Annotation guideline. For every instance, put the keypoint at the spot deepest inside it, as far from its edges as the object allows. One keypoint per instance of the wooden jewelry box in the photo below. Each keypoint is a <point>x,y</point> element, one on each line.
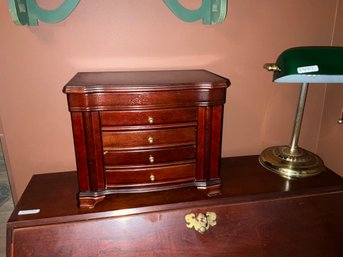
<point>146,131</point>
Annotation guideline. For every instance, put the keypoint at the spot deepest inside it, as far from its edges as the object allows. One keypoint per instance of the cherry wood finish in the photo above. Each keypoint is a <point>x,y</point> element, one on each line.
<point>259,214</point>
<point>164,116</point>
<point>143,157</point>
<point>139,176</point>
<point>139,139</point>
<point>146,131</point>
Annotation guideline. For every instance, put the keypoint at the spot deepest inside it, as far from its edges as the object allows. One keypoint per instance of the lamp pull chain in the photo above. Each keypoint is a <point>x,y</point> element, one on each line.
<point>298,118</point>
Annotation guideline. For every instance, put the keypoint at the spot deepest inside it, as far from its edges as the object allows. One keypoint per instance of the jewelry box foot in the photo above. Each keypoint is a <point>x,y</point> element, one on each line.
<point>88,202</point>
<point>214,190</point>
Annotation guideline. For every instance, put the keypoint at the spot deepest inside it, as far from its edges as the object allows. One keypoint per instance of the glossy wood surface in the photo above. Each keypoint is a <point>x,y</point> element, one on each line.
<point>255,230</point>
<point>149,138</point>
<point>145,115</point>
<point>145,100</point>
<point>137,90</point>
<point>148,117</point>
<point>90,82</point>
<point>258,214</point>
<point>149,156</point>
<point>151,175</point>
<point>243,179</point>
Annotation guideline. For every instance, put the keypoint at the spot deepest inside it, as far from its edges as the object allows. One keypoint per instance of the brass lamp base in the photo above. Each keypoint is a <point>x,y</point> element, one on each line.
<point>297,164</point>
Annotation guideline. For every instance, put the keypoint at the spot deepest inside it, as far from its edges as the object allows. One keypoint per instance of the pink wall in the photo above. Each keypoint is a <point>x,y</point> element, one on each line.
<point>330,146</point>
<point>139,35</point>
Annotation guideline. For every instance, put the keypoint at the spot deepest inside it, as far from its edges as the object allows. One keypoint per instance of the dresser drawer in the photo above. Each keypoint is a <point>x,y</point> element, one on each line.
<point>151,156</point>
<point>149,138</point>
<point>150,176</point>
<point>148,117</point>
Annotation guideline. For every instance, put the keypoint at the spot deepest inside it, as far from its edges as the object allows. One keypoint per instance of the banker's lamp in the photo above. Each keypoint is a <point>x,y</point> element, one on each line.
<point>301,65</point>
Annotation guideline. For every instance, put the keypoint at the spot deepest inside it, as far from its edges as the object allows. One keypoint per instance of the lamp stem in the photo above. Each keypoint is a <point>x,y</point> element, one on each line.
<point>298,118</point>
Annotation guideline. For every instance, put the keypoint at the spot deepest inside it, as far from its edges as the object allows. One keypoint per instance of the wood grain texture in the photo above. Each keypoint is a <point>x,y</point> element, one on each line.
<point>80,150</point>
<point>145,100</point>
<point>94,151</point>
<point>127,116</point>
<point>256,229</point>
<point>140,139</point>
<point>141,176</point>
<point>148,117</point>
<point>244,179</point>
<point>133,81</point>
<point>143,157</point>
<point>258,214</point>
<point>216,138</point>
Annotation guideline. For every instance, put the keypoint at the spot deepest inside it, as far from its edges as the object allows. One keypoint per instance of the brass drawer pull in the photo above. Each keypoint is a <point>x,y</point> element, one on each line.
<point>151,159</point>
<point>340,119</point>
<point>150,120</point>
<point>152,178</point>
<point>201,222</point>
<point>150,140</point>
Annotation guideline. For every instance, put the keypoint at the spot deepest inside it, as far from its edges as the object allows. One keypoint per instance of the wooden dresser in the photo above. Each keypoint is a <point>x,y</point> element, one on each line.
<point>146,131</point>
<point>258,214</point>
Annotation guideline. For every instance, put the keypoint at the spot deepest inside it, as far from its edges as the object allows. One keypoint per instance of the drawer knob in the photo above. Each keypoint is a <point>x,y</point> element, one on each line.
<point>340,119</point>
<point>150,140</point>
<point>201,222</point>
<point>151,120</point>
<point>152,178</point>
<point>151,159</point>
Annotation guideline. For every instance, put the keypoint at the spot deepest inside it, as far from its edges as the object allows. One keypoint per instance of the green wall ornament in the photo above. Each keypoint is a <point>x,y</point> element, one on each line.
<point>210,11</point>
<point>28,12</point>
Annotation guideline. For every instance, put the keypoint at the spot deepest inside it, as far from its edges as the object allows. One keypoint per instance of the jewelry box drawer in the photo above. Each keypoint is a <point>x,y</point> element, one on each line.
<point>148,117</point>
<point>149,176</point>
<point>148,138</point>
<point>149,156</point>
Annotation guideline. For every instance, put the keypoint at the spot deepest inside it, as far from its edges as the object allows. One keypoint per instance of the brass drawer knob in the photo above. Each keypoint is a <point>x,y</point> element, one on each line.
<point>340,119</point>
<point>201,222</point>
<point>152,178</point>
<point>150,140</point>
<point>151,159</point>
<point>150,120</point>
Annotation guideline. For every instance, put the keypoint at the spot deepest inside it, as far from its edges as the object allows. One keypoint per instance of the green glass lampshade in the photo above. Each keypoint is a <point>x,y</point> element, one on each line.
<point>311,64</point>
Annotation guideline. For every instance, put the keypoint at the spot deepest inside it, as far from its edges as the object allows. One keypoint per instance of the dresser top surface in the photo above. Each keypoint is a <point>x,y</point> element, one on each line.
<point>243,180</point>
<point>92,82</point>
